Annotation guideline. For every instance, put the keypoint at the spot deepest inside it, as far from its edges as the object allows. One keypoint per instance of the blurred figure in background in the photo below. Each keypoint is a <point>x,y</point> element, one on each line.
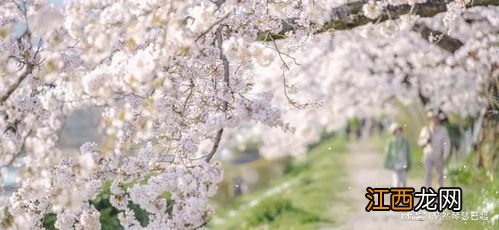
<point>240,187</point>
<point>397,155</point>
<point>435,141</point>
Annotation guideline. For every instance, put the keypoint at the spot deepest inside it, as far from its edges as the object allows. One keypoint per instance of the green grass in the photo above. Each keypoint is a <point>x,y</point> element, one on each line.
<point>480,188</point>
<point>313,186</point>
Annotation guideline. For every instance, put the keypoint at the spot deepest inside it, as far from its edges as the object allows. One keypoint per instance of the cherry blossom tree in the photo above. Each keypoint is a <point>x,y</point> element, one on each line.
<point>177,79</point>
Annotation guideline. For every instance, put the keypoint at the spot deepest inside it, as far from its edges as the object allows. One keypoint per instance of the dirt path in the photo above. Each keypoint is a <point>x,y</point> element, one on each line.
<point>364,168</point>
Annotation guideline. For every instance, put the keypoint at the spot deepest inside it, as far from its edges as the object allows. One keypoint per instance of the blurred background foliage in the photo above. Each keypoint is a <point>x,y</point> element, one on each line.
<point>296,193</point>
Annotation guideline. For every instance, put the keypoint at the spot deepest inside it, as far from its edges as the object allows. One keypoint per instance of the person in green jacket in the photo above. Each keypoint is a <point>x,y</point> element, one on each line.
<point>397,156</point>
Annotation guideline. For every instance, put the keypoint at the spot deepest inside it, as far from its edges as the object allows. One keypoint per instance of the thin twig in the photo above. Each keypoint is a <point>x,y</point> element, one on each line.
<point>211,26</point>
<point>226,72</point>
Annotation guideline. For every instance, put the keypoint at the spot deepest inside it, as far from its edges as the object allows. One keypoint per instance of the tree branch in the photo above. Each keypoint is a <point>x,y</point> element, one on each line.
<point>445,42</point>
<point>12,88</point>
<point>225,104</point>
<point>349,16</point>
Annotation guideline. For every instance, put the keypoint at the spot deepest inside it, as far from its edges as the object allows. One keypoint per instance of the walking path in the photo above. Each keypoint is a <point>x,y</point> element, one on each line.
<point>365,169</point>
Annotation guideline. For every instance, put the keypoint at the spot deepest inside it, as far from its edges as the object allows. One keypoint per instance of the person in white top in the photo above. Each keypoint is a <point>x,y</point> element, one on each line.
<point>435,141</point>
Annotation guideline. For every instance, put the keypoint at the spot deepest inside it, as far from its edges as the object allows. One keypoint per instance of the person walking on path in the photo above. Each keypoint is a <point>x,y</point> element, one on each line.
<point>435,141</point>
<point>397,156</point>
